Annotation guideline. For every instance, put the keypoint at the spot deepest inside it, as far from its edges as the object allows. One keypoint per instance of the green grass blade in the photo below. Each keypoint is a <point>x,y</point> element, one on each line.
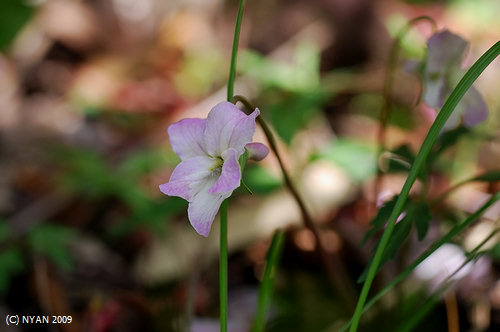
<point>450,104</point>
<point>266,287</point>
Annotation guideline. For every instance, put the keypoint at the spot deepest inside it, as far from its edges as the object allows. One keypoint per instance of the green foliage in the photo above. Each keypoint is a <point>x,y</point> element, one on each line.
<point>417,213</point>
<point>293,89</point>
<point>89,174</point>
<point>299,76</point>
<point>293,112</point>
<point>260,180</point>
<point>53,242</point>
<point>11,263</point>
<point>14,14</point>
<point>356,158</point>
<point>371,105</point>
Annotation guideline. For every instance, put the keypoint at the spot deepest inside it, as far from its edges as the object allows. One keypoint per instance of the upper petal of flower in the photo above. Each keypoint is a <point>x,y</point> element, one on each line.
<point>186,137</point>
<point>189,177</point>
<point>203,208</point>
<point>444,50</point>
<point>230,176</point>
<point>257,151</point>
<point>228,127</point>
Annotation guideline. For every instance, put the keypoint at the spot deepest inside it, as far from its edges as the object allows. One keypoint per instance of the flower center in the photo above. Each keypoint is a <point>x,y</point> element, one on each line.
<point>216,169</point>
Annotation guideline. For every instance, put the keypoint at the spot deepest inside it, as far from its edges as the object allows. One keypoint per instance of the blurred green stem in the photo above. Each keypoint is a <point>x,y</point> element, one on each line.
<point>385,112</point>
<point>266,286</point>
<point>333,264</point>
<point>234,54</point>
<point>450,104</point>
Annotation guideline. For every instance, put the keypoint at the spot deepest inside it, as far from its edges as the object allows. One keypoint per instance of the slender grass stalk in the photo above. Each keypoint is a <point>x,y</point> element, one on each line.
<point>266,286</point>
<point>223,275</point>
<point>234,54</point>
<point>446,238</point>
<point>450,104</point>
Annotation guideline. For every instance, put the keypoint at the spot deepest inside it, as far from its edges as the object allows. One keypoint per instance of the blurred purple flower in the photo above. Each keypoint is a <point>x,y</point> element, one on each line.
<point>209,150</point>
<point>442,73</point>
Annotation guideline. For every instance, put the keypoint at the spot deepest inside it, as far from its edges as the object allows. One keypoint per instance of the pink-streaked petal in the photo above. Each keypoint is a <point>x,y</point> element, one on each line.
<point>228,127</point>
<point>203,209</point>
<point>257,151</point>
<point>188,177</point>
<point>475,108</point>
<point>230,176</point>
<point>186,137</point>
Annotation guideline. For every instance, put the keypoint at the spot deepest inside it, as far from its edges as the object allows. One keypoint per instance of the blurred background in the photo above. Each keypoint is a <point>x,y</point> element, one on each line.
<point>87,91</point>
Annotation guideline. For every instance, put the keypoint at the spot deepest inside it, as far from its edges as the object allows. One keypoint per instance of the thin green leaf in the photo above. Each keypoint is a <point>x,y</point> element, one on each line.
<point>266,287</point>
<point>450,104</point>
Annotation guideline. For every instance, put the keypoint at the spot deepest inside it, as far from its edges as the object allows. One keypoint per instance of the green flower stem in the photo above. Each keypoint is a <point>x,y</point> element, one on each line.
<point>445,239</point>
<point>223,267</point>
<point>266,287</point>
<point>332,263</point>
<point>385,112</point>
<point>223,275</point>
<point>450,104</point>
<point>234,54</point>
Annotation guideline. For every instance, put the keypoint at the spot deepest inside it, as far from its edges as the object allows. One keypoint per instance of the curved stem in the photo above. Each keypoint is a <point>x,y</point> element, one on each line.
<point>333,265</point>
<point>450,104</point>
<point>385,113</point>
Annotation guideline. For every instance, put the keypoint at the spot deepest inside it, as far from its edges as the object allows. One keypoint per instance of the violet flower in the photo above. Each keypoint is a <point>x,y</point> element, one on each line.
<point>442,73</point>
<point>209,150</point>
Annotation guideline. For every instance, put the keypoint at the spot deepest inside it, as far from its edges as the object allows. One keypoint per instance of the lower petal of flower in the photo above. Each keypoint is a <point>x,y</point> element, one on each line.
<point>204,207</point>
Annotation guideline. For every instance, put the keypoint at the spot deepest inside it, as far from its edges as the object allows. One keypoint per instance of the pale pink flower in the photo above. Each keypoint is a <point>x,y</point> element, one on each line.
<point>209,150</point>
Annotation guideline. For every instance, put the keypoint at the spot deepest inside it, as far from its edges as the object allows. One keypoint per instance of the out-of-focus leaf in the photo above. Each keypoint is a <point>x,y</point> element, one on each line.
<point>399,235</point>
<point>299,76</point>
<point>260,180</point>
<point>153,216</point>
<point>4,230</point>
<point>449,138</point>
<point>53,242</point>
<point>294,112</point>
<point>14,14</point>
<point>146,161</point>
<point>355,157</point>
<point>380,219</point>
<point>421,215</point>
<point>371,104</point>
<point>11,263</point>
